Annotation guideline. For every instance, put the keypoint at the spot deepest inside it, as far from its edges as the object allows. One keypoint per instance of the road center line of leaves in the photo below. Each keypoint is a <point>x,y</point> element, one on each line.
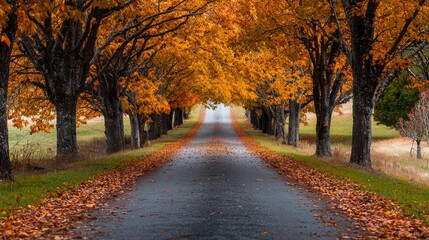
<point>52,218</point>
<point>380,217</point>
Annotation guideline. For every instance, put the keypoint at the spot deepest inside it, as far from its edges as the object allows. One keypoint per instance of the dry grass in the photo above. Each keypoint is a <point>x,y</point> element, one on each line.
<point>390,153</point>
<point>391,163</point>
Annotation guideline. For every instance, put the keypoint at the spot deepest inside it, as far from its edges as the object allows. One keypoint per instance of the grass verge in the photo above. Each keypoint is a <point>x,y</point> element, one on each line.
<point>341,130</point>
<point>413,197</point>
<point>31,188</point>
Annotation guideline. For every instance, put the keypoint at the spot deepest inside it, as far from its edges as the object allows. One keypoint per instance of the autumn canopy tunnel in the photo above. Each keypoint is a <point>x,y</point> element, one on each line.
<point>67,62</point>
<point>103,89</point>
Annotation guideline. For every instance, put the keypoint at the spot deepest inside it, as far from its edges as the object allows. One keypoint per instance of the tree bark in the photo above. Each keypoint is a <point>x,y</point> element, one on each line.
<point>362,129</point>
<point>5,56</point>
<point>153,128</point>
<point>113,132</point>
<point>121,125</point>
<point>185,113</point>
<point>143,134</point>
<point>366,74</point>
<point>170,120</point>
<point>259,119</point>
<point>163,121</point>
<point>135,134</point>
<point>254,119</point>
<point>323,134</point>
<point>263,121</point>
<point>108,94</point>
<point>178,117</point>
<point>66,129</point>
<point>267,122</point>
<point>419,149</point>
<point>5,164</point>
<point>294,120</point>
<point>280,124</point>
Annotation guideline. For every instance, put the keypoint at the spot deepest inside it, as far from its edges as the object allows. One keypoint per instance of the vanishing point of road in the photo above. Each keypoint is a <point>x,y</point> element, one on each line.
<point>216,189</point>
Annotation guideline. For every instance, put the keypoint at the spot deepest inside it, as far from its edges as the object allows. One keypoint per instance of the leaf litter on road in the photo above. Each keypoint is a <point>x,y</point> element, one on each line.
<point>53,217</point>
<point>376,215</point>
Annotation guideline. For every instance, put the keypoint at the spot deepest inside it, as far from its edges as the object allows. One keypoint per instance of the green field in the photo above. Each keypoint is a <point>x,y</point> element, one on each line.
<point>44,144</point>
<point>341,130</point>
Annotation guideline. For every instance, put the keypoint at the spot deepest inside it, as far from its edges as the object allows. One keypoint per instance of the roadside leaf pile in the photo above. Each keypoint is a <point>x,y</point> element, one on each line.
<point>52,219</point>
<point>379,217</point>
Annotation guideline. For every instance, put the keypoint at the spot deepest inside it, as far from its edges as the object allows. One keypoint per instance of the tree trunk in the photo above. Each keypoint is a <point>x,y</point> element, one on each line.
<point>178,117</point>
<point>170,120</point>
<point>366,73</point>
<point>108,94</point>
<point>113,133</point>
<point>185,114</point>
<point>323,133</point>
<point>419,149</point>
<point>164,123</point>
<point>266,121</point>
<point>66,129</point>
<point>255,120</point>
<point>153,128</point>
<point>294,120</point>
<point>247,114</point>
<point>143,135</point>
<point>121,125</point>
<point>5,164</point>
<point>5,56</point>
<point>260,119</point>
<point>280,124</point>
<point>135,134</point>
<point>252,118</point>
<point>362,130</point>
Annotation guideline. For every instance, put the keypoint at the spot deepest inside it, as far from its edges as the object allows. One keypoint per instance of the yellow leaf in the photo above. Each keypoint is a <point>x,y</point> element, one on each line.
<point>5,39</point>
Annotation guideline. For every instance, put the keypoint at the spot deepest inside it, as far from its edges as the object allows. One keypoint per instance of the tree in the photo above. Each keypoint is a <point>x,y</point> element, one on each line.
<point>396,102</point>
<point>69,31</point>
<point>9,27</point>
<point>300,31</point>
<point>416,126</point>
<point>329,69</point>
<point>130,49</point>
<point>377,32</point>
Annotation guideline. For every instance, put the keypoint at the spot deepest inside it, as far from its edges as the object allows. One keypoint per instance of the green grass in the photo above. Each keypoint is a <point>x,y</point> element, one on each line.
<point>413,197</point>
<point>31,188</point>
<point>45,143</point>
<point>341,130</point>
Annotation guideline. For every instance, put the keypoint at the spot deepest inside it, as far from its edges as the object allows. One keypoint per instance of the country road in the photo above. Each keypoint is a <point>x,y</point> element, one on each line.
<point>216,189</point>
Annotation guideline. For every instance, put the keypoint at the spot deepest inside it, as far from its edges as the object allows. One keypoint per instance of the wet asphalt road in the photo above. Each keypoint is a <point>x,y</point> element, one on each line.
<point>215,189</point>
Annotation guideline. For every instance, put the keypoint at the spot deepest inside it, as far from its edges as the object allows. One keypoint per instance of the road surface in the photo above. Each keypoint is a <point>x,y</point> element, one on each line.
<point>216,189</point>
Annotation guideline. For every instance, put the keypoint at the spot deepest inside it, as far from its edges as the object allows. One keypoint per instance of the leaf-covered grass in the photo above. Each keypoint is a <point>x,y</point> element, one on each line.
<point>31,188</point>
<point>413,197</point>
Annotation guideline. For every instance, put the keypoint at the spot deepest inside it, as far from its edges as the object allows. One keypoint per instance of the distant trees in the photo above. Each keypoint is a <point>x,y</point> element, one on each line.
<point>416,126</point>
<point>396,102</point>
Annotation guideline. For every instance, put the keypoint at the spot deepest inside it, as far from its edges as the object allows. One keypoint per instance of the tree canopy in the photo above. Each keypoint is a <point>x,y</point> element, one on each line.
<point>66,62</point>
